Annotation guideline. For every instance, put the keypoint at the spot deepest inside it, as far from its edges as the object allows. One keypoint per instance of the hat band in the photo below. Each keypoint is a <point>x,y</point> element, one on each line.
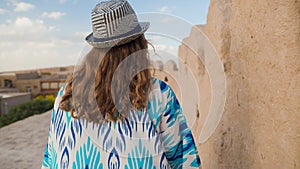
<point>129,33</point>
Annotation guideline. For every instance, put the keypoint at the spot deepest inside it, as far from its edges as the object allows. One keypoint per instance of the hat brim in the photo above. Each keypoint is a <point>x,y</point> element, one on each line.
<point>119,40</point>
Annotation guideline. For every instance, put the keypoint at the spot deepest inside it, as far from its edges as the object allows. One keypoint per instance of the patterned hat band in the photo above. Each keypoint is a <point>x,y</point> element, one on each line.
<point>114,22</point>
<point>117,21</point>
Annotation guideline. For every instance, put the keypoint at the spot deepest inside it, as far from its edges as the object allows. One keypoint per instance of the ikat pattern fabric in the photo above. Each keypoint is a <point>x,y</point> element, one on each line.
<point>155,138</point>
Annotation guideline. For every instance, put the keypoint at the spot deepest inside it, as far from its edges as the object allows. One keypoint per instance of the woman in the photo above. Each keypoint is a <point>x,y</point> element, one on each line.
<point>111,113</point>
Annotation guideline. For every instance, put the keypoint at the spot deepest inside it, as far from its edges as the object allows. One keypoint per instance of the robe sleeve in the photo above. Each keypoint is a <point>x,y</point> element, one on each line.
<point>49,151</point>
<point>46,164</point>
<point>177,139</point>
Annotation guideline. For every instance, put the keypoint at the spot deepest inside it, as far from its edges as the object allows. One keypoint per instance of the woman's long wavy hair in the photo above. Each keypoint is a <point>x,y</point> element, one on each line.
<point>93,82</point>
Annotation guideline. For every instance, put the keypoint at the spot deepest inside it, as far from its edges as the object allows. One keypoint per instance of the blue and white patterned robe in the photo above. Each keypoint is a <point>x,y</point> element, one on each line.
<point>156,138</point>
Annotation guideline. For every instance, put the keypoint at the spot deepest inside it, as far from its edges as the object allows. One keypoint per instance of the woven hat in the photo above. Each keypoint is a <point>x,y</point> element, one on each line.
<point>114,23</point>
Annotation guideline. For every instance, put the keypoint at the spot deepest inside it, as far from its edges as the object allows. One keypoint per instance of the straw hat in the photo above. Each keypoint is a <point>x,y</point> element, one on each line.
<point>114,23</point>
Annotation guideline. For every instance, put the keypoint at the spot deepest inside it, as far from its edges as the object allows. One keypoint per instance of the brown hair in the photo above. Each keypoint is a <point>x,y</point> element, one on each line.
<point>101,75</point>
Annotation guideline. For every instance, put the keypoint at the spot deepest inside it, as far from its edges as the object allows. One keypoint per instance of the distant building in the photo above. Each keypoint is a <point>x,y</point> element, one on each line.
<point>51,85</point>
<point>8,100</point>
<point>9,90</point>
<point>46,81</point>
<point>7,80</point>
<point>27,76</point>
<point>28,82</point>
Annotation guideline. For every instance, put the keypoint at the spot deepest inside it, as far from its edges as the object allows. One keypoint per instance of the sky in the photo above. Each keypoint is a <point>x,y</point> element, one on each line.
<point>47,33</point>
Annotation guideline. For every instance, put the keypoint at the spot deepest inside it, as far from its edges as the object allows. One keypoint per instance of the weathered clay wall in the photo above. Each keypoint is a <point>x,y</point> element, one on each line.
<point>190,52</point>
<point>259,43</point>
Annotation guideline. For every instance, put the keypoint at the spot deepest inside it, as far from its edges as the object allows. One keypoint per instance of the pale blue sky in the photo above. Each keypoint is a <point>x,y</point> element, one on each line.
<point>46,33</point>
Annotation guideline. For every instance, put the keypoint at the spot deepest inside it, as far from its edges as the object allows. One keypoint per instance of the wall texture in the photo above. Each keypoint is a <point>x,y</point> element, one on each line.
<point>259,44</point>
